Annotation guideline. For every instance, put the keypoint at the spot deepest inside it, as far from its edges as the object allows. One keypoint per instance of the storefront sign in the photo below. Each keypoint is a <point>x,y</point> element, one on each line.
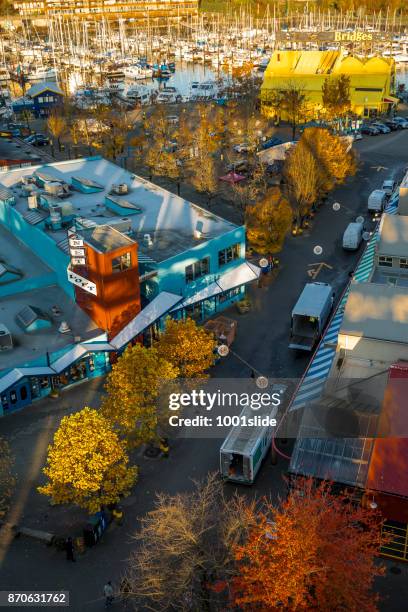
<point>356,36</point>
<point>77,252</point>
<point>76,242</point>
<point>319,37</point>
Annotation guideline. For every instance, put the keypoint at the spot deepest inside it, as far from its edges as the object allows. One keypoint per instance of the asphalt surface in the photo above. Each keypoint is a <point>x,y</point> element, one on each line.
<point>262,342</point>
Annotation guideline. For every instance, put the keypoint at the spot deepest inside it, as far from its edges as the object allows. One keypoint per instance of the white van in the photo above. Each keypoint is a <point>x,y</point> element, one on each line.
<point>353,236</point>
<point>377,200</point>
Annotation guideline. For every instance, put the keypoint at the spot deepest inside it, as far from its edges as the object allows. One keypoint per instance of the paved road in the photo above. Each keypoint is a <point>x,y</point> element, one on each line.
<point>262,342</point>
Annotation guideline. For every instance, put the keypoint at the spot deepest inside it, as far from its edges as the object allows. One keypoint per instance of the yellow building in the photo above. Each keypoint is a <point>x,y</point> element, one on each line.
<point>372,80</point>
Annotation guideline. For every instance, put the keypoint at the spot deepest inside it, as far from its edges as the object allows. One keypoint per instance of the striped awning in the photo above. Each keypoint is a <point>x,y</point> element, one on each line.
<point>318,370</point>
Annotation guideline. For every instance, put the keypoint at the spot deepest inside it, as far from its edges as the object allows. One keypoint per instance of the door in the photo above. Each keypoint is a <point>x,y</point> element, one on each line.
<point>17,397</point>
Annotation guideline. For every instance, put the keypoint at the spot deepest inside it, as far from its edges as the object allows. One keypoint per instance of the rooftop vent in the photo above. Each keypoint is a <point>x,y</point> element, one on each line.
<point>33,201</point>
<point>120,189</point>
<point>64,328</point>
<point>147,240</point>
<point>32,318</point>
<point>6,340</point>
<point>198,232</point>
<point>28,180</point>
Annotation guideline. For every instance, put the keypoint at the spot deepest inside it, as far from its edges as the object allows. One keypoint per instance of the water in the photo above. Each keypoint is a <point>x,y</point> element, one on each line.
<point>185,75</point>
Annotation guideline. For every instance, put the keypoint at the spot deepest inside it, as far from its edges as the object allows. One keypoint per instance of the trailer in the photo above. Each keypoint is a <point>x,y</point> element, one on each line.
<point>310,315</point>
<point>245,447</point>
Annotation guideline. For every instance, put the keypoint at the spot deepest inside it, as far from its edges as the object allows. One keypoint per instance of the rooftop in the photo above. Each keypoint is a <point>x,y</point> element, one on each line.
<point>169,219</point>
<point>393,236</point>
<point>13,151</point>
<point>30,346</point>
<point>377,311</point>
<point>14,255</point>
<point>38,88</point>
<point>105,238</point>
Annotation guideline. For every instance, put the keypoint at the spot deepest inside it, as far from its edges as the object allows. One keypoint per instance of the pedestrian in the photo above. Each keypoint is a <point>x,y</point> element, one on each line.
<point>108,594</point>
<point>69,547</point>
<point>164,447</point>
<point>117,514</point>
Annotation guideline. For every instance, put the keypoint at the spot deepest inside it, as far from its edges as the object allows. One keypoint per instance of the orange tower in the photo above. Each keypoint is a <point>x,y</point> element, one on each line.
<point>105,266</point>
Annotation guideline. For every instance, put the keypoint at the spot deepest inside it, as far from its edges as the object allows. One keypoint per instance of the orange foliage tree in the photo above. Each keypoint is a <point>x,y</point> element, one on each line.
<point>315,552</point>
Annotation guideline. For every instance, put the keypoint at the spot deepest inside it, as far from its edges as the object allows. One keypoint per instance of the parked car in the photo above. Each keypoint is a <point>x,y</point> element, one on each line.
<point>272,142</point>
<point>369,130</point>
<point>244,147</point>
<point>384,129</point>
<point>393,125</point>
<point>401,121</point>
<point>388,186</point>
<point>38,140</point>
<point>376,201</point>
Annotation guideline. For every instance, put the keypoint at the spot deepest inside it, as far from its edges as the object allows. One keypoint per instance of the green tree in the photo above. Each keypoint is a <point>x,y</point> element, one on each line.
<point>87,464</point>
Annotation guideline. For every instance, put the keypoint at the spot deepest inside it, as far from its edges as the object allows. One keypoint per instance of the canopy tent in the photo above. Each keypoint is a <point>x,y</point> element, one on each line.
<point>232,177</point>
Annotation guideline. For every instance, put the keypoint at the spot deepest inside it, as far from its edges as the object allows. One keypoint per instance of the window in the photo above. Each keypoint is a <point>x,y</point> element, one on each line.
<point>229,254</point>
<point>368,89</point>
<point>123,262</point>
<point>404,262</point>
<point>385,261</point>
<point>197,269</point>
<point>40,99</point>
<point>228,295</point>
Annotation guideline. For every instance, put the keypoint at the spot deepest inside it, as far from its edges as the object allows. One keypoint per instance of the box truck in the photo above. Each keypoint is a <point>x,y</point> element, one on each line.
<point>310,315</point>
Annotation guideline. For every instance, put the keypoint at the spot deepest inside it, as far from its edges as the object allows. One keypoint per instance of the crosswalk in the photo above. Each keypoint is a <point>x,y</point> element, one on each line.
<point>311,386</point>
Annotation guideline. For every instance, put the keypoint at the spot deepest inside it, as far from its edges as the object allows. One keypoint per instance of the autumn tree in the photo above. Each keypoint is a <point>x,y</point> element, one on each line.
<point>188,347</point>
<point>289,102</point>
<point>7,479</point>
<point>56,126</point>
<point>334,157</point>
<point>132,389</point>
<point>268,222</point>
<point>184,552</point>
<point>87,464</point>
<point>247,192</point>
<point>300,173</point>
<point>336,95</point>
<point>316,551</point>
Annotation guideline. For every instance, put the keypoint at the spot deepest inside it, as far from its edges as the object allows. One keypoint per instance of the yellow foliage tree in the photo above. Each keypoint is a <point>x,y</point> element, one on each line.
<point>87,464</point>
<point>188,347</point>
<point>334,162</point>
<point>268,222</point>
<point>133,387</point>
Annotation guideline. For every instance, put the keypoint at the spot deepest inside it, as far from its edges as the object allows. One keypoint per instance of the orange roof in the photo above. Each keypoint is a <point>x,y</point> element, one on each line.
<point>388,469</point>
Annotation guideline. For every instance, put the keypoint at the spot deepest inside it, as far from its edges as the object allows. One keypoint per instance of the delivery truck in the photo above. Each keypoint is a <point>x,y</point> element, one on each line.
<point>377,200</point>
<point>310,315</point>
